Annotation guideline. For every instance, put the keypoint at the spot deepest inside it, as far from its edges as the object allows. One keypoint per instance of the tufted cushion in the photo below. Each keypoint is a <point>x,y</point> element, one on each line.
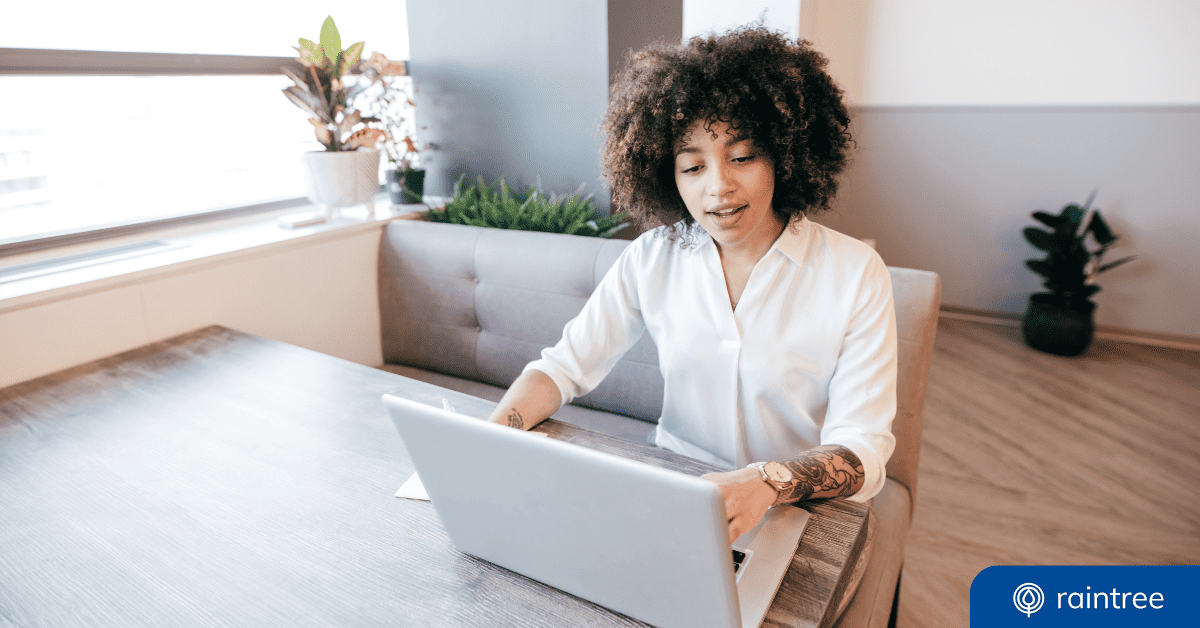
<point>482,303</point>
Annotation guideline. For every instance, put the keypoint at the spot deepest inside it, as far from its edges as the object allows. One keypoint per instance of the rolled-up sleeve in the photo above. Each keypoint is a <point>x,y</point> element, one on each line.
<point>592,342</point>
<point>862,390</point>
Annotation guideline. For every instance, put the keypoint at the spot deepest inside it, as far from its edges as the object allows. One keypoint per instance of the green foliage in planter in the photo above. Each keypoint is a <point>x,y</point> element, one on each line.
<point>1070,267</point>
<point>498,206</point>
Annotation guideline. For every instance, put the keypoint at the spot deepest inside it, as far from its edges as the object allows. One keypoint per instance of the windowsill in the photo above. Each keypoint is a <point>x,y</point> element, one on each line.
<point>202,244</point>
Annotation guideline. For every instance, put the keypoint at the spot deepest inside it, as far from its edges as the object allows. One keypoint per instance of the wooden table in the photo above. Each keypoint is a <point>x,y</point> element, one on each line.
<point>222,479</point>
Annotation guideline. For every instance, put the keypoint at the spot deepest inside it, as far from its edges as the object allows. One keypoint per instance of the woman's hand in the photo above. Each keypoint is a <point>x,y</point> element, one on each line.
<point>747,498</point>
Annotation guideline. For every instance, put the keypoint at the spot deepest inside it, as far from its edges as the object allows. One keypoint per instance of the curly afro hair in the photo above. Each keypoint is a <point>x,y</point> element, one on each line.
<point>767,88</point>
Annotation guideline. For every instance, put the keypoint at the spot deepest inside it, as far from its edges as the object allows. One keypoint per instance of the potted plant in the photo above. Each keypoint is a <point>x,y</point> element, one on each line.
<point>346,173</point>
<point>1059,321</point>
<point>388,99</point>
<point>500,207</point>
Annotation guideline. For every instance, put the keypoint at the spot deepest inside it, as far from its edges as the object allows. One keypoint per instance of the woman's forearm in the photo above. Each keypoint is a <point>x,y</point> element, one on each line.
<point>824,471</point>
<point>531,399</point>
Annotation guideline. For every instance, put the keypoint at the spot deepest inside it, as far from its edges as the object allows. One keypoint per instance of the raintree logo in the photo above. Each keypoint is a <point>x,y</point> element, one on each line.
<point>1028,598</point>
<point>1079,596</point>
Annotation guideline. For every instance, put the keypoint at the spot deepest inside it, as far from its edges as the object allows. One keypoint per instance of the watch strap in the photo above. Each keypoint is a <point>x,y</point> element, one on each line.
<point>762,471</point>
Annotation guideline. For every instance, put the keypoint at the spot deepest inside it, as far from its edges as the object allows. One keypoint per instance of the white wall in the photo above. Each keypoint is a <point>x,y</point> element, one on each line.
<point>319,295</point>
<point>701,17</point>
<point>1016,52</point>
<point>950,190</point>
<point>968,116</point>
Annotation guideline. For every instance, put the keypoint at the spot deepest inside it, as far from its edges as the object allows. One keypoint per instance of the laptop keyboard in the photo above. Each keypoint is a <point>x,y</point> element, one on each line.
<point>739,557</point>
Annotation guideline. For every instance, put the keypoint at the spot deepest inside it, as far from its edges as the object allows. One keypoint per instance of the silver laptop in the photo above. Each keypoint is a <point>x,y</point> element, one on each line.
<point>647,542</point>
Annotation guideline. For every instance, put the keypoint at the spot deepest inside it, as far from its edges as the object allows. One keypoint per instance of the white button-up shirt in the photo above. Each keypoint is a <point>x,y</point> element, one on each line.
<point>808,357</point>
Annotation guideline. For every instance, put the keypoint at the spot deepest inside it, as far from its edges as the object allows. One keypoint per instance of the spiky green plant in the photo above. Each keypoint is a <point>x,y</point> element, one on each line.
<point>501,207</point>
<point>1070,267</point>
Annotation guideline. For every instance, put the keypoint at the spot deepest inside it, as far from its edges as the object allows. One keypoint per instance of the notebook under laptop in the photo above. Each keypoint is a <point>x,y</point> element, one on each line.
<point>643,541</point>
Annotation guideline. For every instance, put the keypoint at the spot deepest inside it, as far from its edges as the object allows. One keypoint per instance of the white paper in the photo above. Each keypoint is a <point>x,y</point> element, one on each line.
<point>413,489</point>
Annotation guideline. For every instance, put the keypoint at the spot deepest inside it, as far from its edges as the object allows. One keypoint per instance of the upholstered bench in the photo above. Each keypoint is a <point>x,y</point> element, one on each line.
<point>467,308</point>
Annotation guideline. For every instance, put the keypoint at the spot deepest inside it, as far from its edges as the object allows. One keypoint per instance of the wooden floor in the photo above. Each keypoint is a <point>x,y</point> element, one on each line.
<point>1034,459</point>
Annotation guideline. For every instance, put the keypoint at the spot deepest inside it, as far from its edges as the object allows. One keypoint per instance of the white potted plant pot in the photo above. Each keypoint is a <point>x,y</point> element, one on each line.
<point>342,179</point>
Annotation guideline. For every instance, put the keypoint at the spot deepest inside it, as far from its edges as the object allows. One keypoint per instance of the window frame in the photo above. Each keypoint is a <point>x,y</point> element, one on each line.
<point>57,62</point>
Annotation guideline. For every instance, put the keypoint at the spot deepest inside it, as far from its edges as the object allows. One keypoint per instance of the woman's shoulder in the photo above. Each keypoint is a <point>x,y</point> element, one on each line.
<point>846,252</point>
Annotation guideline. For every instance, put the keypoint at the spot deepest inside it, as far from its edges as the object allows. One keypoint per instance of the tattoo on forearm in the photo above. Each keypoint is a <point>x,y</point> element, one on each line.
<point>825,471</point>
<point>515,420</point>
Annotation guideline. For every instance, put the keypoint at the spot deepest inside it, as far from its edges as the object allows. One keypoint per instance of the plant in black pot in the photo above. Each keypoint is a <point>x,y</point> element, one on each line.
<point>1059,321</point>
<point>387,95</point>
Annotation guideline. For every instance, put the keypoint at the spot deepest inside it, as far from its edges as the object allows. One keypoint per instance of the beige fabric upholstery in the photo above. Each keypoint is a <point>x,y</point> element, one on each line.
<point>468,308</point>
<point>918,295</point>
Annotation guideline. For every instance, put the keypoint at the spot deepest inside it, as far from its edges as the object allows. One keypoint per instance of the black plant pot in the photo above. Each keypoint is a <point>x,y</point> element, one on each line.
<point>406,186</point>
<point>1054,328</point>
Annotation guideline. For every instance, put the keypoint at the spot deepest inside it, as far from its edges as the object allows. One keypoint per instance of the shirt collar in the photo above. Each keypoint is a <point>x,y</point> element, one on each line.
<point>792,243</point>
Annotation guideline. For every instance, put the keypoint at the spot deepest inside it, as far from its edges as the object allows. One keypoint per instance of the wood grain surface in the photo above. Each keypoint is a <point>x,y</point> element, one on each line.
<point>1033,459</point>
<point>221,479</point>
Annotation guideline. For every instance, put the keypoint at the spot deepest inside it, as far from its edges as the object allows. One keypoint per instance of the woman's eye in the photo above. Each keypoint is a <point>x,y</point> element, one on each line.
<point>743,159</point>
<point>691,169</point>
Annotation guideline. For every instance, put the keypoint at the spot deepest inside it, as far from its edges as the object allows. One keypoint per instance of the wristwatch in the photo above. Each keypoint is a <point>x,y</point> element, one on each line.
<point>775,474</point>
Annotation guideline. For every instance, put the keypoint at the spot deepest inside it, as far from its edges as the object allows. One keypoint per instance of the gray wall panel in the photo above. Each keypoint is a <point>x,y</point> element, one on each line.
<point>519,88</point>
<point>515,88</point>
<point>950,189</point>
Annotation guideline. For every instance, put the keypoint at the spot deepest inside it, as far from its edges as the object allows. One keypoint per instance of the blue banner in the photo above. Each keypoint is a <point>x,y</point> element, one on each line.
<point>1086,596</point>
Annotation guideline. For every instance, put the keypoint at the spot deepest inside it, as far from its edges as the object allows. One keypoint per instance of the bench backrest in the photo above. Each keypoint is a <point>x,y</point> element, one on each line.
<point>482,303</point>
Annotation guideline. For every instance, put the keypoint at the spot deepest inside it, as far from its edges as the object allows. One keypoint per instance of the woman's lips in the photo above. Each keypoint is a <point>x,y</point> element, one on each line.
<point>726,213</point>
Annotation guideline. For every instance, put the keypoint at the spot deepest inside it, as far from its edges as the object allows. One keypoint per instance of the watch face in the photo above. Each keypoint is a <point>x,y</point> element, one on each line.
<point>778,472</point>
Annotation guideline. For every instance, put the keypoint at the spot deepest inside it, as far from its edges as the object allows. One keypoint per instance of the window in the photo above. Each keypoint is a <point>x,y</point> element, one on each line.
<point>180,115</point>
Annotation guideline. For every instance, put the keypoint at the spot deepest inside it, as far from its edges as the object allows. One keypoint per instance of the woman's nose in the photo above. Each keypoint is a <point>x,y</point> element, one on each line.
<point>720,182</point>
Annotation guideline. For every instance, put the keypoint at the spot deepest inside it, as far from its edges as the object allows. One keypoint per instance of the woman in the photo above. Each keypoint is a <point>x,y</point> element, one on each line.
<point>776,335</point>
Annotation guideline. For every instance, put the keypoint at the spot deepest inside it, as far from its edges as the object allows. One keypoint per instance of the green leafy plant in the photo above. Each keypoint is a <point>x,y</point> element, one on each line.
<point>386,95</point>
<point>500,207</point>
<point>1071,265</point>
<point>321,90</point>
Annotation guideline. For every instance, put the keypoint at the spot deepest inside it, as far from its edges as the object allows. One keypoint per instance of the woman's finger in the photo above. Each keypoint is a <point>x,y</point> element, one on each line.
<point>737,527</point>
